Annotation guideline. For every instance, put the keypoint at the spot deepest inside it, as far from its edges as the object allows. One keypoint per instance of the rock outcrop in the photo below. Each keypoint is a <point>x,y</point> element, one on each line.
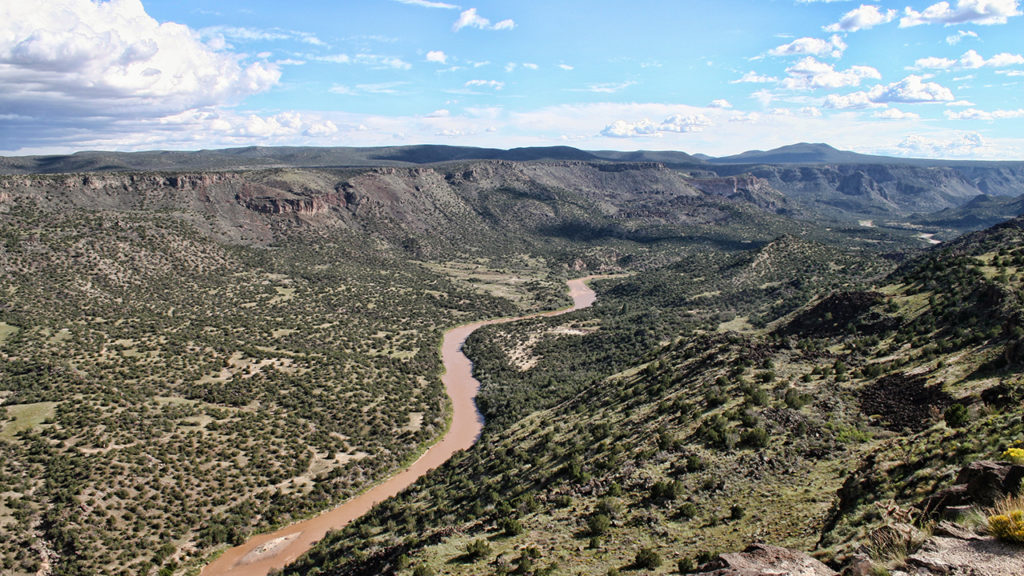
<point>979,483</point>
<point>765,560</point>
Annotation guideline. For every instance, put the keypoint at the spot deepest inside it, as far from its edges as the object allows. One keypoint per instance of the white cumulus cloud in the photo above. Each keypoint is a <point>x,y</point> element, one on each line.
<point>833,47</point>
<point>76,57</point>
<point>437,56</point>
<point>677,123</point>
<point>811,73</point>
<point>957,145</point>
<point>911,89</point>
<point>847,101</point>
<point>954,39</point>
<point>862,18</point>
<point>471,19</point>
<point>983,12</point>
<point>970,60</point>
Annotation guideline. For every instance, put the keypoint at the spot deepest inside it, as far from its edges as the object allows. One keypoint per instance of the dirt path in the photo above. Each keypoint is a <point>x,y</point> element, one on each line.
<point>264,552</point>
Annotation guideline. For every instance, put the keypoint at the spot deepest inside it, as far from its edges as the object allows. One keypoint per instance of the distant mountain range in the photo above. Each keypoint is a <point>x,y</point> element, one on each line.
<point>307,157</point>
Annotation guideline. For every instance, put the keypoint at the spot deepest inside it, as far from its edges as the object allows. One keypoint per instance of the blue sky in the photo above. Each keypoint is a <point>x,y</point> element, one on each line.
<point>911,78</point>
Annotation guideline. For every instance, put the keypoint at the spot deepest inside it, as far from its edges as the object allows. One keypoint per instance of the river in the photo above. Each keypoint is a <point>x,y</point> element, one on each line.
<point>265,552</point>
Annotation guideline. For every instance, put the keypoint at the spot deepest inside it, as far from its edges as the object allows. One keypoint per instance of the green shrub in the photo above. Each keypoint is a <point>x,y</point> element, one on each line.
<point>647,558</point>
<point>688,510</point>
<point>510,526</point>
<point>795,399</point>
<point>754,438</point>
<point>956,415</point>
<point>599,524</point>
<point>686,565</point>
<point>736,512</point>
<point>478,549</point>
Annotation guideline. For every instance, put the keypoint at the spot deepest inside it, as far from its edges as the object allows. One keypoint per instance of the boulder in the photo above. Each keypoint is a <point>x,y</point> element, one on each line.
<point>765,560</point>
<point>979,483</point>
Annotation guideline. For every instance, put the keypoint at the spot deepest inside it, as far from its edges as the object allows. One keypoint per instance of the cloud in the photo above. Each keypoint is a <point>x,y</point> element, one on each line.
<point>955,39</point>
<point>495,84</point>
<point>437,56</point>
<point>848,101</point>
<point>242,34</point>
<point>956,145</point>
<point>754,78</point>
<point>376,61</point>
<point>895,114</point>
<point>833,47</point>
<point>677,123</point>
<point>381,62</point>
<point>911,90</point>
<point>530,66</point>
<point>429,4</point>
<point>975,114</point>
<point>970,60</point>
<point>470,19</point>
<point>810,73</point>
<point>862,18</point>
<point>608,87</point>
<point>984,12</point>
<point>63,61</point>
<point>388,88</point>
<point>279,125</point>
<point>566,67</point>
<point>720,103</point>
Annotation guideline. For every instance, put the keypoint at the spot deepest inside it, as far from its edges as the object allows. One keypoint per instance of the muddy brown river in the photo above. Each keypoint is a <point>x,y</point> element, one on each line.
<point>264,552</point>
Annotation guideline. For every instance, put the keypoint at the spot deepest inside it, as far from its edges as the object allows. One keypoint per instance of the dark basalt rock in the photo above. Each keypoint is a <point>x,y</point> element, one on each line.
<point>979,483</point>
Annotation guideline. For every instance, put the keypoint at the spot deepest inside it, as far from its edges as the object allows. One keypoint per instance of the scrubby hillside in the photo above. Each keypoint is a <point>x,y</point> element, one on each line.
<point>191,357</point>
<point>876,389</point>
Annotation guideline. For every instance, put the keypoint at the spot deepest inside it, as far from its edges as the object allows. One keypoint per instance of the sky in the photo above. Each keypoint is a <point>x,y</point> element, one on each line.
<point>909,78</point>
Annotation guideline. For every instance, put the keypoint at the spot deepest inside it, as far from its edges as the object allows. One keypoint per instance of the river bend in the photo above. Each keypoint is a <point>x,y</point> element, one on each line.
<point>265,552</point>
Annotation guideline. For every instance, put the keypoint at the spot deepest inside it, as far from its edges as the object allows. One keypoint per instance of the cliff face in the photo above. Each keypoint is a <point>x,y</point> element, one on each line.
<point>456,202</point>
<point>876,190</point>
<point>465,200</point>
